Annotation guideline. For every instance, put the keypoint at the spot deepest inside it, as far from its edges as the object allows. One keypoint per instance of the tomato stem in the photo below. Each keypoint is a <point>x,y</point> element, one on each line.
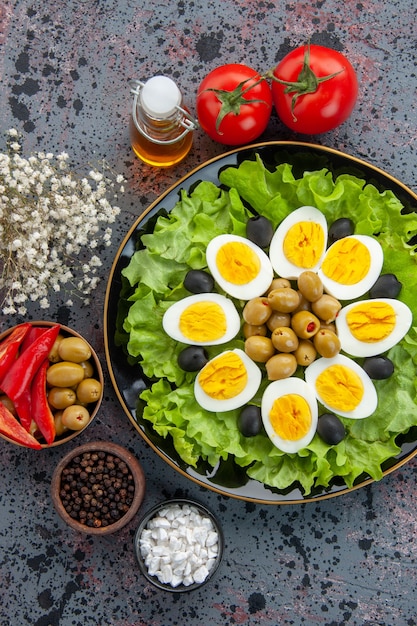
<point>307,81</point>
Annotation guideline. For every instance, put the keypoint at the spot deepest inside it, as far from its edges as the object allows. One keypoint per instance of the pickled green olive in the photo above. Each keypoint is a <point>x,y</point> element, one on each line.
<point>61,397</point>
<point>326,308</point>
<point>259,230</point>
<point>60,428</point>
<point>386,286</point>
<point>305,324</point>
<point>53,355</point>
<point>74,349</point>
<point>284,299</point>
<point>304,305</point>
<point>64,374</point>
<point>330,429</point>
<point>279,283</point>
<point>327,343</point>
<point>251,329</point>
<point>281,366</point>
<point>284,339</point>
<point>75,417</point>
<point>249,421</point>
<point>88,369</point>
<point>278,319</point>
<point>88,391</point>
<point>305,353</point>
<point>259,349</point>
<point>257,311</point>
<point>310,285</point>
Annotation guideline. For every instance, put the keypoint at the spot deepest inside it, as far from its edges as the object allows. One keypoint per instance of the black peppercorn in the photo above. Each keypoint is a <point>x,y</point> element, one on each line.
<point>96,489</point>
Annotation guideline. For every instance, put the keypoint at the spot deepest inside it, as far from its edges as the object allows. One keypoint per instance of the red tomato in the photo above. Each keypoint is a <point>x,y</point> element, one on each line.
<point>234,104</point>
<point>319,91</point>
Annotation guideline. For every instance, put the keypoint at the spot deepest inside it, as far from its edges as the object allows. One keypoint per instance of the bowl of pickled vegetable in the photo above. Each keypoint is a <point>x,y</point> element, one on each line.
<point>51,384</point>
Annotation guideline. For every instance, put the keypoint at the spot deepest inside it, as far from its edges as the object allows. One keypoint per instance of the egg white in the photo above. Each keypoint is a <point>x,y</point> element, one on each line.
<point>353,346</point>
<point>350,292</point>
<point>282,266</point>
<point>254,288</point>
<point>171,318</point>
<point>252,386</point>
<point>284,387</point>
<point>369,401</point>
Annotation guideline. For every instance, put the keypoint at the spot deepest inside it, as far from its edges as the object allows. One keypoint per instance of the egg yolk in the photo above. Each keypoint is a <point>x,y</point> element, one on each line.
<point>303,244</point>
<point>203,321</point>
<point>340,387</point>
<point>371,322</point>
<point>224,377</point>
<point>237,263</point>
<point>290,417</point>
<point>347,262</point>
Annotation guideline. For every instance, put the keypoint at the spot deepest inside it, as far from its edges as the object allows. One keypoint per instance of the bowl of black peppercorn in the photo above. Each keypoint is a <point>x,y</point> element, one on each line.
<point>98,487</point>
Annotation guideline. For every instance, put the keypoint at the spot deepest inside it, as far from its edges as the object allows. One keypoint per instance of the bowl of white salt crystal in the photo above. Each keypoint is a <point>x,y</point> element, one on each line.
<point>179,545</point>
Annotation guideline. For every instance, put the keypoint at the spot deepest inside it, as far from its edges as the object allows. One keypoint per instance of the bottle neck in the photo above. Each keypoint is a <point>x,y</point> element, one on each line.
<point>163,131</point>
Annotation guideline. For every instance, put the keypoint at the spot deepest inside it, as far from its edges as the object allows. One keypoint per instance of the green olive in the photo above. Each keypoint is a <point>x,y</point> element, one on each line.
<point>64,374</point>
<point>305,324</point>
<point>326,308</point>
<point>278,283</point>
<point>278,319</point>
<point>74,349</point>
<point>75,417</point>
<point>327,343</point>
<point>61,397</point>
<point>88,368</point>
<point>251,329</point>
<point>256,311</point>
<point>305,353</point>
<point>53,355</point>
<point>310,285</point>
<point>281,366</point>
<point>60,428</point>
<point>89,390</point>
<point>284,299</point>
<point>259,349</point>
<point>304,305</point>
<point>284,339</point>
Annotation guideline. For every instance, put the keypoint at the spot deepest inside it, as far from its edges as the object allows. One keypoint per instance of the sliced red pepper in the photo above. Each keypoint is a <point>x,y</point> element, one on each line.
<point>40,409</point>
<point>10,345</point>
<point>33,333</point>
<point>20,376</point>
<point>10,427</point>
<point>22,405</point>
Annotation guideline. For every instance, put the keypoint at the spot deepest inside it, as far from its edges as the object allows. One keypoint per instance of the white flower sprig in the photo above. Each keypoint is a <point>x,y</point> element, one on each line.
<point>52,223</point>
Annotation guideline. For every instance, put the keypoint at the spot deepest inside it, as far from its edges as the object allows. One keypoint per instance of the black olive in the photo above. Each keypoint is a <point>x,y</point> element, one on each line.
<point>259,230</point>
<point>343,227</point>
<point>378,367</point>
<point>192,358</point>
<point>330,428</point>
<point>198,281</point>
<point>250,421</point>
<point>387,286</point>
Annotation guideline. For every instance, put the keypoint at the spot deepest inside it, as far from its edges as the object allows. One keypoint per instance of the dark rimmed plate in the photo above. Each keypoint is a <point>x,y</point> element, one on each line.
<point>128,380</point>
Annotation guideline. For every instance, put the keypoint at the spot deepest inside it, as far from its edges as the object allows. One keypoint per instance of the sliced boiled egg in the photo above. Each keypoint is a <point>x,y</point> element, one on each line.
<point>351,266</point>
<point>202,319</point>
<point>299,242</point>
<point>342,386</point>
<point>289,414</point>
<point>227,382</point>
<point>371,327</point>
<point>239,266</point>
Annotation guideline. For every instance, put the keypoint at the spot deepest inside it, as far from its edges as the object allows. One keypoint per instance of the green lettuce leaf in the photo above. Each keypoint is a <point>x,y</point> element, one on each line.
<point>177,244</point>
